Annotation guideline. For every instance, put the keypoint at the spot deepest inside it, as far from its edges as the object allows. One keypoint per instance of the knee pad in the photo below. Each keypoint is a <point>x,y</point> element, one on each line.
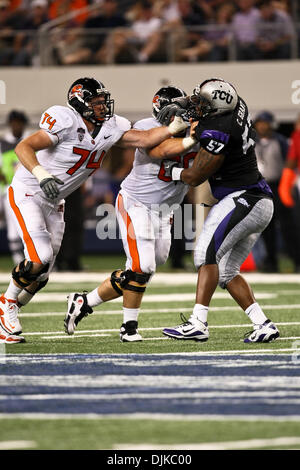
<point>127,280</point>
<point>41,285</point>
<point>24,277</point>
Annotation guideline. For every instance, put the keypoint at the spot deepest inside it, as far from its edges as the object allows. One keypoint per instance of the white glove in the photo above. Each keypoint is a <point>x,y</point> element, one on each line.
<point>172,170</point>
<point>177,125</point>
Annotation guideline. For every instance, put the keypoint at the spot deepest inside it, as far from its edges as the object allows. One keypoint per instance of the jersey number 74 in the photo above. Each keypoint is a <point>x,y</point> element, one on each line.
<point>88,156</point>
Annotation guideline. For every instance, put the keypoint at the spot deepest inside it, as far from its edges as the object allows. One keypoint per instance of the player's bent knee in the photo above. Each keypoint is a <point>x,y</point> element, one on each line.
<point>129,280</point>
<point>225,278</point>
<point>198,263</point>
<point>46,255</point>
<point>25,272</point>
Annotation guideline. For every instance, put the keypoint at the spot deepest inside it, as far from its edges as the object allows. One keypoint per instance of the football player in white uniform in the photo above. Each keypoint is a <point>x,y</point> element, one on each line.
<point>144,213</point>
<point>56,160</point>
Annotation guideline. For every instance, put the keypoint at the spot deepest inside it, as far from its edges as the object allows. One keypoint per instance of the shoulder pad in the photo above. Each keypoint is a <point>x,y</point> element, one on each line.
<point>57,118</point>
<point>147,123</point>
<point>122,123</point>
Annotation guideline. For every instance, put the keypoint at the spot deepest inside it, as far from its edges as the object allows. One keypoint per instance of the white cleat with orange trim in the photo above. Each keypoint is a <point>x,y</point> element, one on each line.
<point>10,339</point>
<point>9,321</point>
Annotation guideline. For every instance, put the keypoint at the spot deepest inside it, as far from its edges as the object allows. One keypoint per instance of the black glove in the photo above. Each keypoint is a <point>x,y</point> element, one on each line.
<point>167,112</point>
<point>183,102</point>
<point>49,186</point>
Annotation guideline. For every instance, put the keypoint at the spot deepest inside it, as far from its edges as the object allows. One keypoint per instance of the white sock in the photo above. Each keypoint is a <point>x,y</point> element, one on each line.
<point>130,314</point>
<point>12,291</point>
<point>93,298</point>
<point>200,312</point>
<point>256,314</point>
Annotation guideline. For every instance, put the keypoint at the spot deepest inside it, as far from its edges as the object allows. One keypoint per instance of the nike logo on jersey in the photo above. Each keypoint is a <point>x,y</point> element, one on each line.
<point>107,136</point>
<point>28,194</point>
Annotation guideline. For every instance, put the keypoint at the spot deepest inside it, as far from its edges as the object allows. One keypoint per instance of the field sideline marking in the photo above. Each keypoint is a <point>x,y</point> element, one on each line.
<point>150,417</point>
<point>234,445</point>
<point>244,352</point>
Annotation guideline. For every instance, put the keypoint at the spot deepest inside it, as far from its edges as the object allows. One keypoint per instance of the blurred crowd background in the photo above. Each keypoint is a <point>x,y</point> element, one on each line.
<point>69,32</point>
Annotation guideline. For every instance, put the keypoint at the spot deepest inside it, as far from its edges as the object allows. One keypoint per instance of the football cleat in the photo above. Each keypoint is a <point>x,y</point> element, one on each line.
<point>9,316</point>
<point>190,329</point>
<point>78,308</point>
<point>262,333</point>
<point>10,339</point>
<point>129,332</point>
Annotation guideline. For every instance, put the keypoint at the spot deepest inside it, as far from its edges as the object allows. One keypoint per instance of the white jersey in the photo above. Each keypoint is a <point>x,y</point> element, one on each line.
<point>75,154</point>
<point>147,181</point>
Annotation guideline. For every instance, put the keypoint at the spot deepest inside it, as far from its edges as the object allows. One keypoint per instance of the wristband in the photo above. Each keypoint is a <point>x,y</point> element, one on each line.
<point>40,173</point>
<point>176,173</point>
<point>177,125</point>
<point>188,142</point>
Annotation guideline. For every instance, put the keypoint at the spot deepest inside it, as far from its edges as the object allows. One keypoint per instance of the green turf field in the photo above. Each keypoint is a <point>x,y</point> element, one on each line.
<point>42,322</point>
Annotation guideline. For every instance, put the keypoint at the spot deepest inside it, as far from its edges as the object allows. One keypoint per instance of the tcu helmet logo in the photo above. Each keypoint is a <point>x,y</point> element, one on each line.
<point>222,95</point>
<point>76,91</point>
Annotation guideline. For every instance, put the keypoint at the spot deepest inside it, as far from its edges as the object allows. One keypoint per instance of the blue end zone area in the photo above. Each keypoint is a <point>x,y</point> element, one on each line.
<point>267,385</point>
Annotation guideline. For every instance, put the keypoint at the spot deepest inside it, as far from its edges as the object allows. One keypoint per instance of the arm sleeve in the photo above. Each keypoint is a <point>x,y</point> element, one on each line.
<point>214,141</point>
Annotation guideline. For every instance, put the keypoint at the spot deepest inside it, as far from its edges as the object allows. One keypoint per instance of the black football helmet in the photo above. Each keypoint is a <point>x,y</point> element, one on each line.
<point>80,94</point>
<point>164,96</point>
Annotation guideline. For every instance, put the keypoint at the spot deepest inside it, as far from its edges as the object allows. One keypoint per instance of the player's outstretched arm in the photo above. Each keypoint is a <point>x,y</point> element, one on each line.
<point>205,165</point>
<point>172,147</point>
<point>152,137</point>
<point>25,151</point>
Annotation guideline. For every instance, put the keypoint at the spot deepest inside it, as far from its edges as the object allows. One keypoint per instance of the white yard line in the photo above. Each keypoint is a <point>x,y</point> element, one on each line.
<point>71,336</point>
<point>166,310</point>
<point>157,328</point>
<point>161,278</point>
<point>141,396</point>
<point>150,416</point>
<point>233,445</point>
<point>14,445</point>
<point>245,352</point>
<point>182,297</point>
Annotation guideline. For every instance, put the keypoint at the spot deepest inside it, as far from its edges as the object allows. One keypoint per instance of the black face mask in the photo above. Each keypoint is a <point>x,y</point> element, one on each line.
<point>199,107</point>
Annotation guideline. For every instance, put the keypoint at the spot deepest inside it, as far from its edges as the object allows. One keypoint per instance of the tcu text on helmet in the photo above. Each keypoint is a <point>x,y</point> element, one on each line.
<point>222,95</point>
